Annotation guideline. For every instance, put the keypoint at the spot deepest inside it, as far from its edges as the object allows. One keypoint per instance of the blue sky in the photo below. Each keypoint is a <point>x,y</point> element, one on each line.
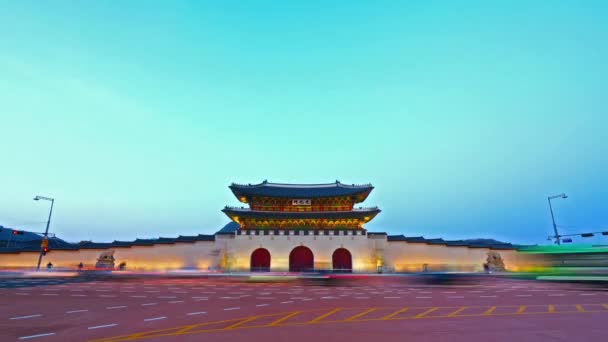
<point>137,115</point>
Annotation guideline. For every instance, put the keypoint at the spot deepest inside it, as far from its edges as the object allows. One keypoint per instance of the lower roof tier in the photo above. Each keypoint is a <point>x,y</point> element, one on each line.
<point>364,214</point>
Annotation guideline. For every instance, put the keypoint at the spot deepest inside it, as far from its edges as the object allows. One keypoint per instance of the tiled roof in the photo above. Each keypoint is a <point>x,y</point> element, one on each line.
<point>299,190</point>
<point>455,243</point>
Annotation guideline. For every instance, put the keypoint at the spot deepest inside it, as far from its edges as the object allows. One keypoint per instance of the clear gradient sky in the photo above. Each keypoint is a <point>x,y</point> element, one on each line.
<point>465,115</point>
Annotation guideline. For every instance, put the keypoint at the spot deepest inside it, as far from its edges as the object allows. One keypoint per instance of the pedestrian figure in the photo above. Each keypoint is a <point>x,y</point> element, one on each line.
<point>49,266</point>
<point>80,266</point>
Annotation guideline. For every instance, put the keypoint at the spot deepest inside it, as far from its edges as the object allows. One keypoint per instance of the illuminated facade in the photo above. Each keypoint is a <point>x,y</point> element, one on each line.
<point>286,227</point>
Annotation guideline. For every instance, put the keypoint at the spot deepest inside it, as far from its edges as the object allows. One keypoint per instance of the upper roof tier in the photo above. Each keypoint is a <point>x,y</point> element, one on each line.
<point>266,189</point>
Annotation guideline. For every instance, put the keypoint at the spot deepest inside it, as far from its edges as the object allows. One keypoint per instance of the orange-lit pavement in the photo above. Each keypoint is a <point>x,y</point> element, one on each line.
<point>391,308</point>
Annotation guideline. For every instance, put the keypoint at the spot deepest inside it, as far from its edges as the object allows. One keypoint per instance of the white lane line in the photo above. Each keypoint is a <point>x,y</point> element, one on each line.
<point>75,311</point>
<point>423,297</point>
<point>147,304</point>
<point>50,294</point>
<point>228,309</point>
<point>261,305</point>
<point>155,318</point>
<point>455,296</point>
<point>392,297</point>
<point>22,294</point>
<point>166,297</point>
<point>138,296</point>
<point>103,326</point>
<point>196,313</point>
<point>586,294</point>
<point>264,298</point>
<point>307,299</point>
<point>556,295</point>
<point>199,299</point>
<point>107,296</point>
<point>487,296</point>
<point>361,297</point>
<point>34,336</point>
<point>175,301</point>
<point>79,295</point>
<point>287,302</point>
<point>526,295</point>
<point>116,307</point>
<point>25,317</point>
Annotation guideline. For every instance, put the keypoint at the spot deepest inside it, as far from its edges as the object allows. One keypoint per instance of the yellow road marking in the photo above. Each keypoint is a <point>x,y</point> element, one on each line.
<point>284,318</point>
<point>325,315</point>
<point>394,314</point>
<point>452,314</point>
<point>420,315</point>
<point>351,318</point>
<point>238,324</point>
<point>489,311</point>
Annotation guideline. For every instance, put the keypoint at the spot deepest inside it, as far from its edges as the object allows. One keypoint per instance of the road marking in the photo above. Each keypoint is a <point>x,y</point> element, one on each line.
<point>392,297</point>
<point>284,318</point>
<point>454,313</point>
<point>79,295</point>
<point>116,307</point>
<point>489,311</point>
<point>361,297</point>
<point>327,314</point>
<point>555,294</point>
<point>521,310</point>
<point>579,308</point>
<point>103,326</point>
<point>353,317</point>
<point>138,296</point>
<point>34,336</point>
<point>423,297</point>
<point>487,296</point>
<point>524,295</point>
<point>455,296</point>
<point>261,305</point>
<point>22,294</point>
<point>107,296</point>
<point>25,317</point>
<point>586,294</point>
<point>287,302</point>
<point>149,304</point>
<point>166,297</point>
<point>155,318</point>
<point>175,301</point>
<point>238,324</point>
<point>75,311</point>
<point>50,294</point>
<point>420,315</point>
<point>551,309</point>
<point>228,309</point>
<point>196,313</point>
<point>389,316</point>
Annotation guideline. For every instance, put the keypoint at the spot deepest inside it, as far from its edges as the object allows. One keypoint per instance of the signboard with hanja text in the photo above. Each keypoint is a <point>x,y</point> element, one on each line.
<point>300,202</point>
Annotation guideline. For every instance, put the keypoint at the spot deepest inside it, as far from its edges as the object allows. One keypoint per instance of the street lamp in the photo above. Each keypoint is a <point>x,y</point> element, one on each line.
<point>557,240</point>
<point>46,231</point>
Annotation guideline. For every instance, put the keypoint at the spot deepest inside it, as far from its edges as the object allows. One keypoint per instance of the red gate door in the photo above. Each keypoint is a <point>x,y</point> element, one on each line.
<point>260,260</point>
<point>301,260</point>
<point>342,261</point>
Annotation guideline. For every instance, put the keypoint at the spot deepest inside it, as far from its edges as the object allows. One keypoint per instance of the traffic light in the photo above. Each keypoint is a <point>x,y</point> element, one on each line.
<point>17,232</point>
<point>45,250</point>
<point>44,243</point>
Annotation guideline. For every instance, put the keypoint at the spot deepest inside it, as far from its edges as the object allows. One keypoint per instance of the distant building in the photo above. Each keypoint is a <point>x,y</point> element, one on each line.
<point>287,227</point>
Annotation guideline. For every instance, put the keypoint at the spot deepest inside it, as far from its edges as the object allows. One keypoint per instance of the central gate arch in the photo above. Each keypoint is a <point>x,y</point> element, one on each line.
<point>260,260</point>
<point>342,260</point>
<point>301,259</point>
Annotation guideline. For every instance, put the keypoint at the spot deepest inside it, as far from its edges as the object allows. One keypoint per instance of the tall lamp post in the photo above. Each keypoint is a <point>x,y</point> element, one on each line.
<point>557,237</point>
<point>48,223</point>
